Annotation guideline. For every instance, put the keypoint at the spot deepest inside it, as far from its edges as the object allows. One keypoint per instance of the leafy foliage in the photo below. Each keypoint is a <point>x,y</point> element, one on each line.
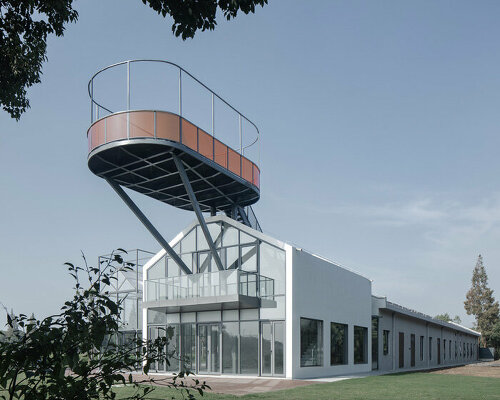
<point>447,318</point>
<point>480,301</point>
<point>192,15</point>
<point>25,25</point>
<point>72,355</point>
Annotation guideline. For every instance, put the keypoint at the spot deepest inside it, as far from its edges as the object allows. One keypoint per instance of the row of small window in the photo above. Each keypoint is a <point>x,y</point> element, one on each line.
<point>311,343</point>
<point>462,349</point>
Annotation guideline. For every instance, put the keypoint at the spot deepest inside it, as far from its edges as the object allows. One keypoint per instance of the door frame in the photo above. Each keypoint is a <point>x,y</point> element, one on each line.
<point>401,352</point>
<point>412,350</point>
<point>273,352</point>
<point>198,348</point>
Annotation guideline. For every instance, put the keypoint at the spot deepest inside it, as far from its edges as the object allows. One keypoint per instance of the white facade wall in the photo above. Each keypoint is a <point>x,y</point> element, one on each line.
<point>324,291</point>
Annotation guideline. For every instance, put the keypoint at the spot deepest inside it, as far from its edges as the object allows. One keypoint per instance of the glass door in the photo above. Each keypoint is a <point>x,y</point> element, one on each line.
<point>209,348</point>
<point>156,332</point>
<point>272,348</point>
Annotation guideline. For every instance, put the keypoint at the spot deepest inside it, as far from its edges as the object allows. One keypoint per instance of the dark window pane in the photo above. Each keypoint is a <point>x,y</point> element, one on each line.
<point>311,342</point>
<point>360,345</point>
<point>338,344</point>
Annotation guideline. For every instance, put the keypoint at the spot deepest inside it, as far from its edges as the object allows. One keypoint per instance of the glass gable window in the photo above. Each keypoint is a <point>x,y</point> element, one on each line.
<point>338,344</point>
<point>360,345</point>
<point>311,342</point>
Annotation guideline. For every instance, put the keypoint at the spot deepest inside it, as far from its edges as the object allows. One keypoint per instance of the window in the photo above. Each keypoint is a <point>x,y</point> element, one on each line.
<point>449,349</point>
<point>421,348</point>
<point>338,344</point>
<point>311,342</point>
<point>386,342</point>
<point>249,347</point>
<point>430,348</point>
<point>444,349</point>
<point>360,345</point>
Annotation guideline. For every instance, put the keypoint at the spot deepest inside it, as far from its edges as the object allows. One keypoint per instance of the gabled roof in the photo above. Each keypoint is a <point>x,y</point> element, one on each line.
<point>217,218</point>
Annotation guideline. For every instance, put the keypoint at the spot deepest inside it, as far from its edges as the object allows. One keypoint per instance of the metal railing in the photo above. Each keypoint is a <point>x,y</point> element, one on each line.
<point>96,107</point>
<point>219,283</point>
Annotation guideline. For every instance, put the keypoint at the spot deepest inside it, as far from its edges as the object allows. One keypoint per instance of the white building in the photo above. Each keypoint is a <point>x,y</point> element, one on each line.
<point>238,301</point>
<point>277,310</point>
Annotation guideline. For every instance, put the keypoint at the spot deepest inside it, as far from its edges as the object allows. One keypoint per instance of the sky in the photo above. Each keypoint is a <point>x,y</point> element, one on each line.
<point>379,142</point>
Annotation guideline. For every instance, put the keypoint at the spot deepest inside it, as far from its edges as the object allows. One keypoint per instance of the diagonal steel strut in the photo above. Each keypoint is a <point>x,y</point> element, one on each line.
<point>197,210</point>
<point>149,226</point>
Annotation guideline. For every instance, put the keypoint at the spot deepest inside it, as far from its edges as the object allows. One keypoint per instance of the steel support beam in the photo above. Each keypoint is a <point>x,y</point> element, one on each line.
<point>244,216</point>
<point>197,210</point>
<point>149,226</point>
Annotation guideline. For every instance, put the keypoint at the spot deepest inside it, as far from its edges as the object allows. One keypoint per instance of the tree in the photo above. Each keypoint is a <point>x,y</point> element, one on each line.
<point>494,337</point>
<point>480,301</point>
<point>446,318</point>
<point>25,25</point>
<point>72,355</point>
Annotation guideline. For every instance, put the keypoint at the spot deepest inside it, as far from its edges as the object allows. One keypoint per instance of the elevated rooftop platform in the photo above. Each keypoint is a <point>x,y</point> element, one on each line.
<point>136,148</point>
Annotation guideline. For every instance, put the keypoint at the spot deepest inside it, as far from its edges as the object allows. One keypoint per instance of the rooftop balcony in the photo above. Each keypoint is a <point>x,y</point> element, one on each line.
<point>221,290</point>
<point>143,112</point>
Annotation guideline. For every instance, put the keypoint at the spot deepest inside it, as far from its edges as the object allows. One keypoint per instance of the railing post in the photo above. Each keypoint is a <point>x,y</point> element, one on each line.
<point>213,128</point>
<point>180,92</point>
<point>241,138</point>
<point>92,101</point>
<point>128,85</point>
<point>213,117</point>
<point>128,99</point>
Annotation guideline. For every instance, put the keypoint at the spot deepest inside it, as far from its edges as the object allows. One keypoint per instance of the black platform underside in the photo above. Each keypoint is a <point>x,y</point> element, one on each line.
<point>149,168</point>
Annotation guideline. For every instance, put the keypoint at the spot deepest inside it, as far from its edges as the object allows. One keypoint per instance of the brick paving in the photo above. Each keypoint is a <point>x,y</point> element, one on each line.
<point>241,386</point>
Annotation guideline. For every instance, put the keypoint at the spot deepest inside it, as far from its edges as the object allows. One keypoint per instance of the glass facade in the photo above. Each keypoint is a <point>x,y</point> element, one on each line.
<point>311,342</point>
<point>230,341</point>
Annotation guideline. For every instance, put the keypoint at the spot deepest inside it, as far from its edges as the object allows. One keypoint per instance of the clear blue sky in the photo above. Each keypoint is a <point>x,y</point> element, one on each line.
<point>380,136</point>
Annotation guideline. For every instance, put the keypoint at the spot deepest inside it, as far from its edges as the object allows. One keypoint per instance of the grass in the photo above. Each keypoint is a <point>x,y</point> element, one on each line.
<point>411,386</point>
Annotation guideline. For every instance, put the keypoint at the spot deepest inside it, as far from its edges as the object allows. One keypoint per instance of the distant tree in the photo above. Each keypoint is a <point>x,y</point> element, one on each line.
<point>446,318</point>
<point>480,301</point>
<point>494,337</point>
<point>25,25</point>
<point>72,355</point>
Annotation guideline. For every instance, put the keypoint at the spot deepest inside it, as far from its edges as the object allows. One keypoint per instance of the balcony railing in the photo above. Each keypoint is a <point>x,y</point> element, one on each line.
<point>213,284</point>
<point>129,81</point>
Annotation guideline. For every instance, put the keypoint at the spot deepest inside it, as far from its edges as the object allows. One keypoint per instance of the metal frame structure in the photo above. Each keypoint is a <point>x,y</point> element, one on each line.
<point>169,170</point>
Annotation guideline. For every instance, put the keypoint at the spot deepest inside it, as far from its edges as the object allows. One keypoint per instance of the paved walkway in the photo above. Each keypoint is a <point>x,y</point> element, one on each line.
<point>240,386</point>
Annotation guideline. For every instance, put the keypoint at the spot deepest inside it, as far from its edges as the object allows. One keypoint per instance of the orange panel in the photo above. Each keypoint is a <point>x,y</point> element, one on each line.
<point>96,134</point>
<point>233,161</point>
<point>189,135</point>
<point>116,127</point>
<point>205,144</point>
<point>246,169</point>
<point>142,124</point>
<point>220,153</point>
<point>167,126</point>
<point>256,176</point>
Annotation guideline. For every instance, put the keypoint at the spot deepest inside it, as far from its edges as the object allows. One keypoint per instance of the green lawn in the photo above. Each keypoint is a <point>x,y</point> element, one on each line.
<point>410,386</point>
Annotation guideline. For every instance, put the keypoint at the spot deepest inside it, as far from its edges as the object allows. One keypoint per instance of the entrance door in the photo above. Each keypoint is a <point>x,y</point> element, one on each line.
<point>439,350</point>
<point>154,333</point>
<point>209,348</point>
<point>272,348</point>
<point>401,350</point>
<point>412,343</point>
